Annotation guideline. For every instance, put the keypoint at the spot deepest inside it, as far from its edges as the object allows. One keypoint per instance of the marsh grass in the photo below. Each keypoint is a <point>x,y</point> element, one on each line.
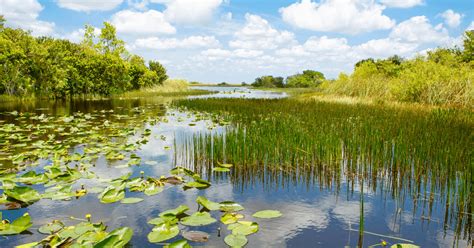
<point>424,155</point>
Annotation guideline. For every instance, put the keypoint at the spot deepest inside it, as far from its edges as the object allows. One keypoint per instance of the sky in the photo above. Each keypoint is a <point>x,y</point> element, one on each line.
<point>236,41</point>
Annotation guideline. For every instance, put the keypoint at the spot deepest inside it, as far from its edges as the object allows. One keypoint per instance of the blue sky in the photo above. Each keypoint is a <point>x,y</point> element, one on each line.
<point>238,40</point>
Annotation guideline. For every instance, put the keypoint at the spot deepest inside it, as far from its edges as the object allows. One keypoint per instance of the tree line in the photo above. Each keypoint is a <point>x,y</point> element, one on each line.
<point>307,78</point>
<point>59,68</point>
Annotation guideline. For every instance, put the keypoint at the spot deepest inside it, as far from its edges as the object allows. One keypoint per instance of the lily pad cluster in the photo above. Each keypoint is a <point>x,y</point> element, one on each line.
<point>83,234</point>
<point>167,224</point>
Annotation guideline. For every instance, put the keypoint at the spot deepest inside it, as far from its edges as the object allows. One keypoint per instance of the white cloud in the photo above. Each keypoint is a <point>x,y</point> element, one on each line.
<point>89,5</point>
<point>419,30</point>
<point>216,54</point>
<point>24,14</point>
<point>257,33</point>
<point>401,3</point>
<point>381,48</point>
<point>189,12</point>
<point>343,16</point>
<point>172,43</point>
<point>451,18</point>
<point>134,22</point>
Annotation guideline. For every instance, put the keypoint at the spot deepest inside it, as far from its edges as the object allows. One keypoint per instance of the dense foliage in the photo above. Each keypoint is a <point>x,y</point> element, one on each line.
<point>443,76</point>
<point>306,79</point>
<point>58,68</point>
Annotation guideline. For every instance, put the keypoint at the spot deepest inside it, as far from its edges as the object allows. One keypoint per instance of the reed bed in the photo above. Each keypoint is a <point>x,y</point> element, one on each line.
<point>423,155</point>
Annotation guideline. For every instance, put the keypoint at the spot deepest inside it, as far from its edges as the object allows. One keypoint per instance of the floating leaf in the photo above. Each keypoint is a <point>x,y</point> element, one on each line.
<point>179,244</point>
<point>230,206</point>
<point>198,219</point>
<point>131,200</point>
<point>117,238</point>
<point>177,211</point>
<point>24,194</point>
<point>229,218</point>
<point>52,227</point>
<point>196,236</point>
<point>404,246</point>
<point>220,169</point>
<point>225,165</point>
<point>112,194</point>
<point>234,240</point>
<point>243,227</point>
<point>203,201</point>
<point>267,214</point>
<point>17,226</point>
<point>163,232</point>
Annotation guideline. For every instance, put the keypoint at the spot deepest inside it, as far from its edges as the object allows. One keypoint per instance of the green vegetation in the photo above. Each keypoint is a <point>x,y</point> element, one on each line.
<point>306,79</point>
<point>57,68</point>
<point>444,76</point>
<point>411,151</point>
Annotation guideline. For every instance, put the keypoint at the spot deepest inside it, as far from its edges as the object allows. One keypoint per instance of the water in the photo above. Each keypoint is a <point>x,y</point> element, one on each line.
<point>313,215</point>
<point>239,92</point>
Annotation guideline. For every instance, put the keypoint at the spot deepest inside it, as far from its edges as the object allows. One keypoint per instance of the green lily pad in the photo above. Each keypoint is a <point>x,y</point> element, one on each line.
<point>267,214</point>
<point>117,238</point>
<point>153,189</point>
<point>17,226</point>
<point>230,206</point>
<point>178,244</point>
<point>225,165</point>
<point>404,246</point>
<point>163,232</point>
<point>220,169</point>
<point>52,227</point>
<point>131,200</point>
<point>229,218</point>
<point>177,211</point>
<point>198,219</point>
<point>112,194</point>
<point>24,194</point>
<point>196,236</point>
<point>203,201</point>
<point>235,240</point>
<point>243,228</point>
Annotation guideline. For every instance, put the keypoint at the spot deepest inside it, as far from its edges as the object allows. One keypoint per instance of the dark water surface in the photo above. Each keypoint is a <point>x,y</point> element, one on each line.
<point>315,213</point>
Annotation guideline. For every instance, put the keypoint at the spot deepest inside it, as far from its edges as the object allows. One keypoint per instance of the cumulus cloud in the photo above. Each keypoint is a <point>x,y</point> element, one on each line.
<point>89,5</point>
<point>401,3</point>
<point>471,26</point>
<point>419,30</point>
<point>451,18</point>
<point>24,14</point>
<point>257,33</point>
<point>172,43</point>
<point>189,12</point>
<point>148,22</point>
<point>216,54</point>
<point>381,48</point>
<point>343,16</point>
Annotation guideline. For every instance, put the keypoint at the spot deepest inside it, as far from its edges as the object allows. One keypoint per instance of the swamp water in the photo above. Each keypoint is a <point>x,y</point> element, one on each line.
<point>318,191</point>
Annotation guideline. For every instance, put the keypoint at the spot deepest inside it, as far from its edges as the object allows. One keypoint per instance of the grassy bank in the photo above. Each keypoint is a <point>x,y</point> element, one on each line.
<point>170,87</point>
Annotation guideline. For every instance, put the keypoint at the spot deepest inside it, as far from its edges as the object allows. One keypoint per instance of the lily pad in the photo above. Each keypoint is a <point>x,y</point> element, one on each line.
<point>243,228</point>
<point>196,236</point>
<point>131,200</point>
<point>203,201</point>
<point>230,206</point>
<point>112,194</point>
<point>177,211</point>
<point>178,244</point>
<point>220,169</point>
<point>225,165</point>
<point>198,219</point>
<point>17,226</point>
<point>52,227</point>
<point>267,214</point>
<point>117,238</point>
<point>234,240</point>
<point>229,218</point>
<point>404,246</point>
<point>24,194</point>
<point>163,232</point>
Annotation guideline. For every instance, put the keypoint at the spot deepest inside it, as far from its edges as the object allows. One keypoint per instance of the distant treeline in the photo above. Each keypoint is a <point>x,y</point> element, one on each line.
<point>58,68</point>
<point>306,79</point>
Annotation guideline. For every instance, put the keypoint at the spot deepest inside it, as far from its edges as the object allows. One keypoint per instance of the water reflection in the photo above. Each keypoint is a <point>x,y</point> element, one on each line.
<point>320,207</point>
<point>238,92</point>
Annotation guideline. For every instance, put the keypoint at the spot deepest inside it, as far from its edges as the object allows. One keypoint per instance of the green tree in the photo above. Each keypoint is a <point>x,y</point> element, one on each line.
<point>109,42</point>
<point>468,45</point>
<point>268,82</point>
<point>306,79</point>
<point>160,71</point>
